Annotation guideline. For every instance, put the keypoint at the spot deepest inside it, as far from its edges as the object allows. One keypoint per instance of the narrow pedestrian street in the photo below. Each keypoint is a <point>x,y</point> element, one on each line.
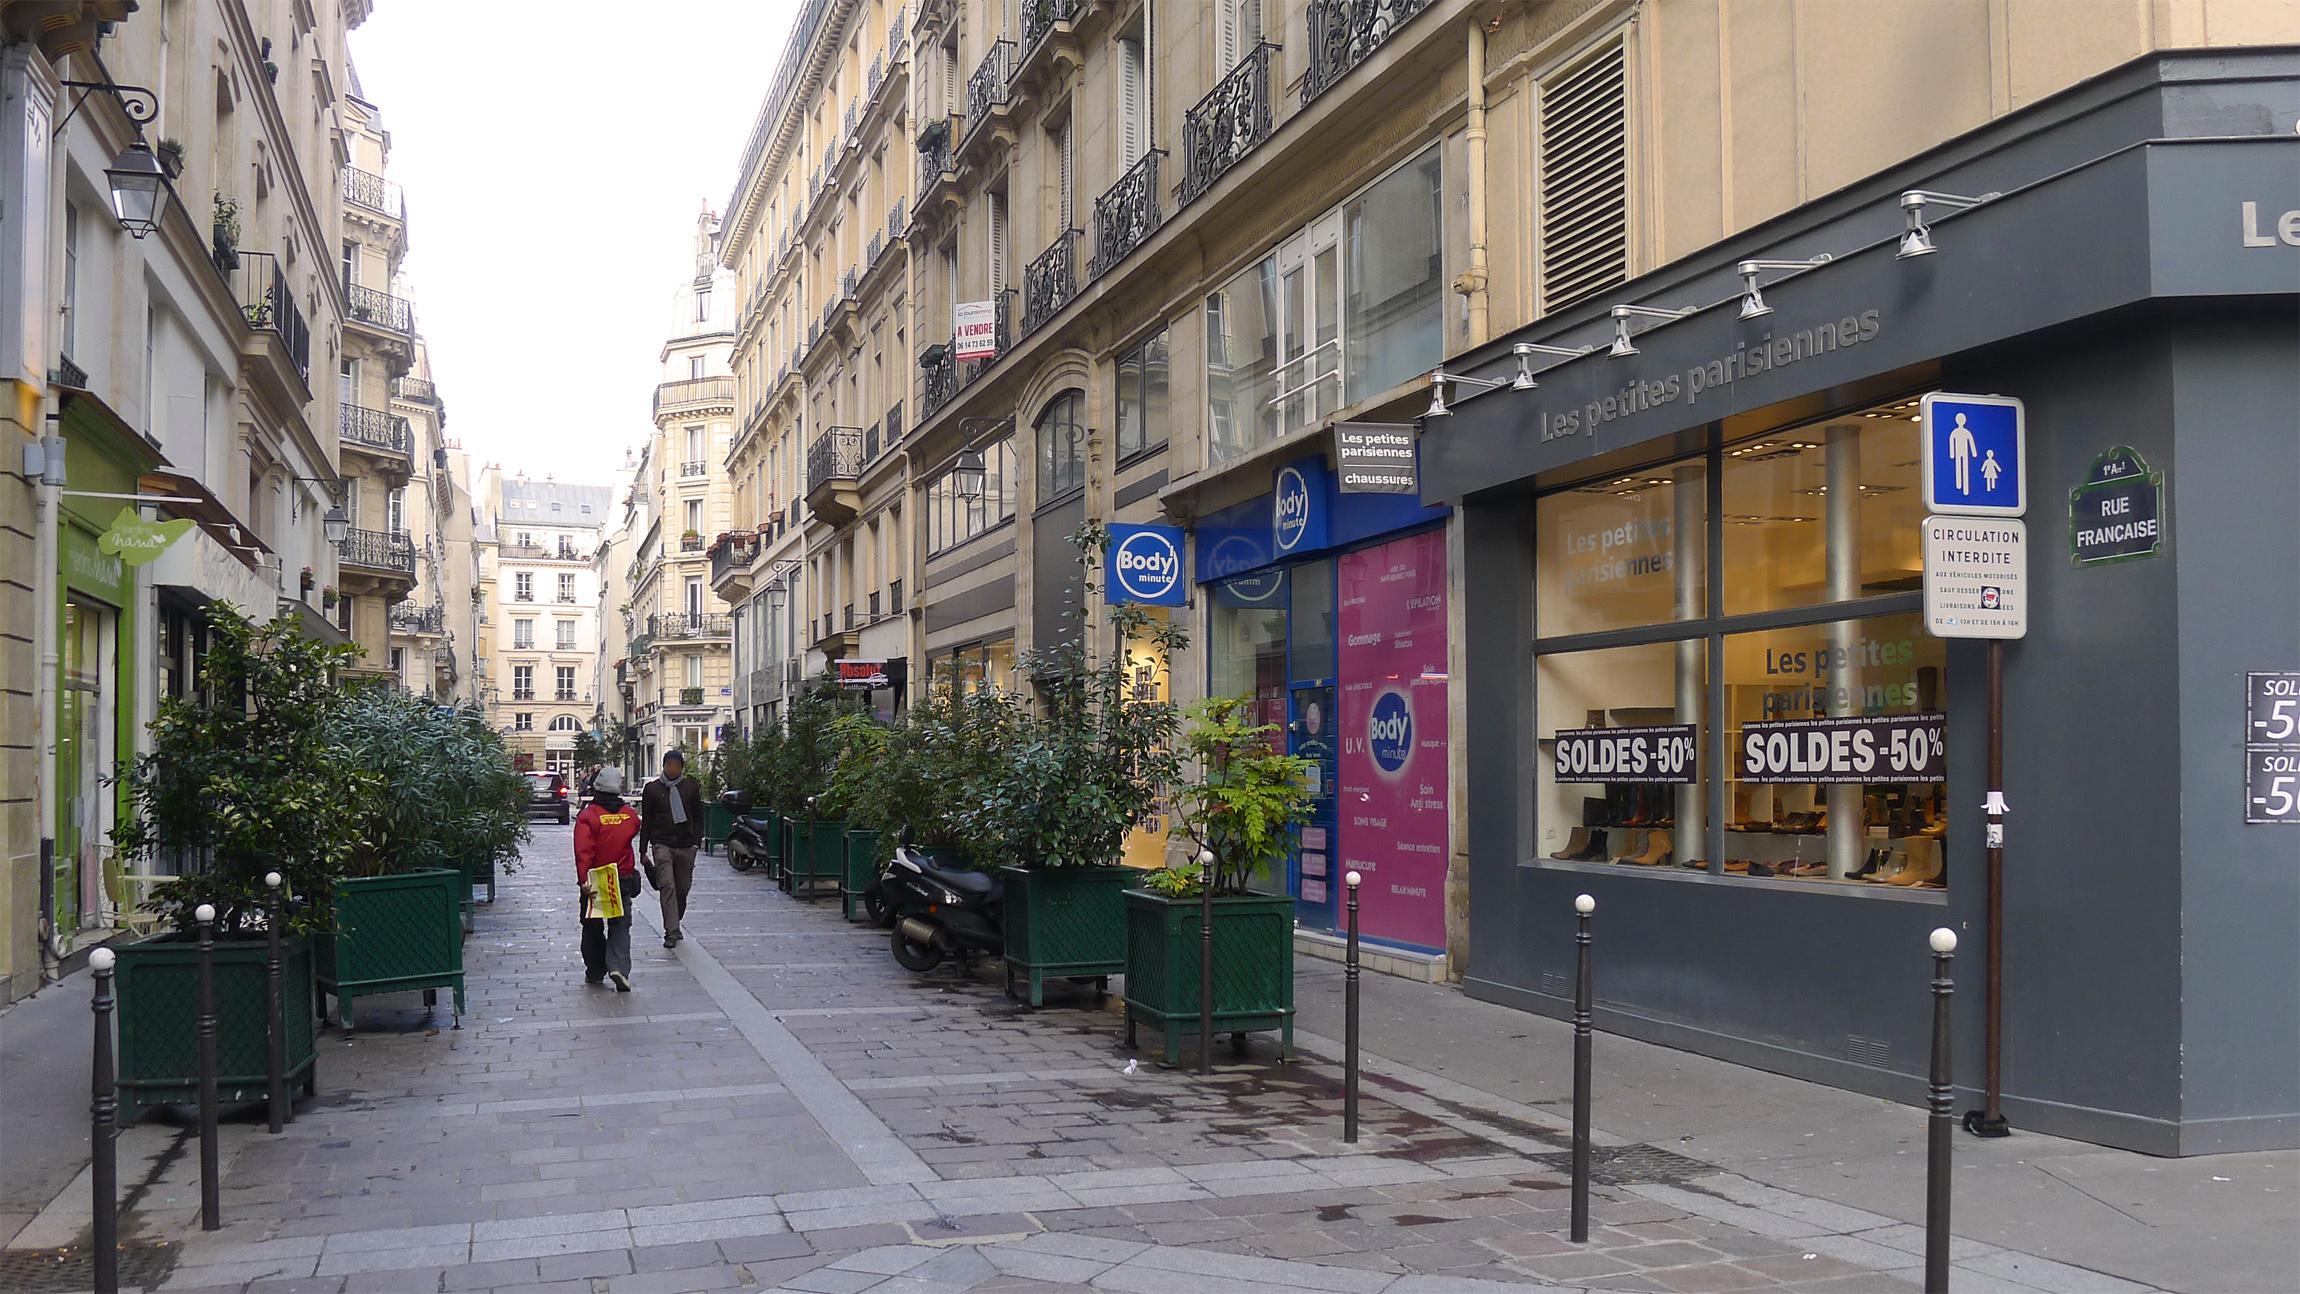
<point>777,1105</point>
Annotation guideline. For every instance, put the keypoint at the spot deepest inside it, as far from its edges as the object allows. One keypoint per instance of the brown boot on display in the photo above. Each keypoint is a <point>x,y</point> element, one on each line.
<point>1575,844</point>
<point>1658,847</point>
<point>1632,843</point>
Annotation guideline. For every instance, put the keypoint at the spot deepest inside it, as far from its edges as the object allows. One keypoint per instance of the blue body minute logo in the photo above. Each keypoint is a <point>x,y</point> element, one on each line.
<point>1148,565</point>
<point>1390,731</point>
<point>1292,501</point>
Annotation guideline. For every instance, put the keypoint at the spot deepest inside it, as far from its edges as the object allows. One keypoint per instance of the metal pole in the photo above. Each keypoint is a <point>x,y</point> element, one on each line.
<point>275,1069</point>
<point>1205,961</point>
<point>103,1117</point>
<point>211,1203</point>
<point>1989,1120</point>
<point>1583,906</point>
<point>1350,1022</point>
<point>1939,1095</point>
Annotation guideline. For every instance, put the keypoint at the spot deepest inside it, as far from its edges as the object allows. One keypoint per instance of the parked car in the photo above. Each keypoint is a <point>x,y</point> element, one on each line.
<point>548,796</point>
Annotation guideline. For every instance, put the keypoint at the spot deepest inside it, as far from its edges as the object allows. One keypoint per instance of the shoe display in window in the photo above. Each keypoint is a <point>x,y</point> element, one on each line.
<point>1575,844</point>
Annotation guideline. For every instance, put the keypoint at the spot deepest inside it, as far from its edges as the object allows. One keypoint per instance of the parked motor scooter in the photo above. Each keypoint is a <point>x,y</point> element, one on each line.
<point>746,836</point>
<point>939,910</point>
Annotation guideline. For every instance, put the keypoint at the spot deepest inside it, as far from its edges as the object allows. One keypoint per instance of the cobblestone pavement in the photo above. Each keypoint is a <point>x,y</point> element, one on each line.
<point>777,1105</point>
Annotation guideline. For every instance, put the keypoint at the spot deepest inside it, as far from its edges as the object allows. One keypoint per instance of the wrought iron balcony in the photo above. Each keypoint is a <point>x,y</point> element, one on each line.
<point>415,388</point>
<point>733,554</point>
<point>836,455</point>
<point>847,283</point>
<point>378,309</point>
<point>408,618</point>
<point>696,467</point>
<point>937,154</point>
<point>367,189</point>
<point>690,543</point>
<point>852,117</point>
<point>1049,282</point>
<point>876,248</point>
<point>691,392</point>
<point>262,291</point>
<point>1002,337</point>
<point>938,378</point>
<point>894,425</point>
<point>382,550</point>
<point>690,696</point>
<point>1227,125</point>
<point>986,89</point>
<point>1039,18</point>
<point>876,76</point>
<point>1343,32</point>
<point>1126,215</point>
<point>375,429</point>
<point>870,443</point>
<point>69,374</point>
<point>897,220</point>
<point>680,626</point>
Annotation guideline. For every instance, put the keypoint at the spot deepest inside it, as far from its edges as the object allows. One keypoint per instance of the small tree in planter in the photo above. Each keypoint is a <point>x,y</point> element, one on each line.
<point>1240,811</point>
<point>905,781</point>
<point>1084,771</point>
<point>253,783</point>
<point>804,760</point>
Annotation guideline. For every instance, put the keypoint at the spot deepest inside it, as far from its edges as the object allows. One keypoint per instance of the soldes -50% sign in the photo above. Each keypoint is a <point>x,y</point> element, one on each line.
<point>1855,748</point>
<point>1661,753</point>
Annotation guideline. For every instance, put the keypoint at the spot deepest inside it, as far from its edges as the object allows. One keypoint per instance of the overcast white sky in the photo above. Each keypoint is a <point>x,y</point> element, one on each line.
<point>554,158</point>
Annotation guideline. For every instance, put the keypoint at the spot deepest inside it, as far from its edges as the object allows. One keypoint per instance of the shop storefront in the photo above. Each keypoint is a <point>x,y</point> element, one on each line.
<point>1706,694</point>
<point>1328,609</point>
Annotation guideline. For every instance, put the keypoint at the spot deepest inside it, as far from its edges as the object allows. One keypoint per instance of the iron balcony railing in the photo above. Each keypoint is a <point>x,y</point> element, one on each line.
<point>1039,18</point>
<point>894,597</point>
<point>378,309</point>
<point>264,299</point>
<point>894,425</point>
<point>870,443</point>
<point>936,153</point>
<point>689,391</point>
<point>414,388</point>
<point>1127,214</point>
<point>895,221</point>
<point>938,378</point>
<point>851,622</point>
<point>836,455</point>
<point>690,696</point>
<point>1001,338</point>
<point>1343,32</point>
<point>847,284</point>
<point>734,554</point>
<point>69,373</point>
<point>986,88</point>
<point>367,189</point>
<point>412,619</point>
<point>375,429</point>
<point>877,247</point>
<point>383,550</point>
<point>695,468</point>
<point>877,75</point>
<point>690,543</point>
<point>852,117</point>
<point>690,624</point>
<point>1050,281</point>
<point>1227,125</point>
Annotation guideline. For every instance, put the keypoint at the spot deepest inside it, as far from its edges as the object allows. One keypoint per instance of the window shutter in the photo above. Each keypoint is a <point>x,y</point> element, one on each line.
<point>1069,169</point>
<point>1129,102</point>
<point>1584,183</point>
<point>997,243</point>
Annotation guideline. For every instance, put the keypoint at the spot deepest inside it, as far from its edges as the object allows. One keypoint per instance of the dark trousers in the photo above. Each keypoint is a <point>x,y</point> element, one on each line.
<point>606,946</point>
<point>674,877</point>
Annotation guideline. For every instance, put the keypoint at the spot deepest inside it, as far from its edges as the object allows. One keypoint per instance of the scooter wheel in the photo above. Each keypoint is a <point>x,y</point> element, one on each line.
<point>912,957</point>
<point>740,862</point>
<point>876,909</point>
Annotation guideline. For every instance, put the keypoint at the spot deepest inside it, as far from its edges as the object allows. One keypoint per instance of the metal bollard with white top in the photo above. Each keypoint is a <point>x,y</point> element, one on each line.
<point>103,1129</point>
<point>211,1199</point>
<point>1583,906</point>
<point>1205,961</point>
<point>1350,1021</point>
<point>275,1013</point>
<point>1940,1124</point>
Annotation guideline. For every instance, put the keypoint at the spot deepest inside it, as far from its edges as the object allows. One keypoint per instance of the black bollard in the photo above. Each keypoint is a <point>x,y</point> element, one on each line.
<point>1583,905</point>
<point>275,1014</point>
<point>1940,1125</point>
<point>211,1202</point>
<point>1205,961</point>
<point>103,1117</point>
<point>1350,1022</point>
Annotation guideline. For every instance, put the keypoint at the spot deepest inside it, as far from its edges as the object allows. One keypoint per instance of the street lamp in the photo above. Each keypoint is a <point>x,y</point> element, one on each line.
<point>139,188</point>
<point>969,474</point>
<point>336,524</point>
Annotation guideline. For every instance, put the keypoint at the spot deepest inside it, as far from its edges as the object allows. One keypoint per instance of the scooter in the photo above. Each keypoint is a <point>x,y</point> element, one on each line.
<point>747,836</point>
<point>939,910</point>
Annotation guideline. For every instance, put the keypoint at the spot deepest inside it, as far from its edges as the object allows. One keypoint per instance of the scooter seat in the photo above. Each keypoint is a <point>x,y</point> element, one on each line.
<point>960,879</point>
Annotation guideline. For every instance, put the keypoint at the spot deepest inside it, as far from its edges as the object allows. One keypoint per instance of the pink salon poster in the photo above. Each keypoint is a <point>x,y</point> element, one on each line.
<point>1391,806</point>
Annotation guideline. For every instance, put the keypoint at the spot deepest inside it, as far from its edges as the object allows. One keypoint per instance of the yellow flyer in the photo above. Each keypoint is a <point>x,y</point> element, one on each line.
<point>606,893</point>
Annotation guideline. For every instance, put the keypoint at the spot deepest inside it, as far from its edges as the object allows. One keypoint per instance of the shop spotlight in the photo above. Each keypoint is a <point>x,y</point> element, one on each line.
<point>1917,237</point>
<point>1526,350</point>
<point>1752,301</point>
<point>1478,385</point>
<point>1622,346</point>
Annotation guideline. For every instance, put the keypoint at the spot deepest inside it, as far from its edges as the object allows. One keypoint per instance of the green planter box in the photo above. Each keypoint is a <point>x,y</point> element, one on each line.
<point>1253,966</point>
<point>718,820</point>
<point>394,934</point>
<point>819,857</point>
<point>861,872</point>
<point>1064,923</point>
<point>158,989</point>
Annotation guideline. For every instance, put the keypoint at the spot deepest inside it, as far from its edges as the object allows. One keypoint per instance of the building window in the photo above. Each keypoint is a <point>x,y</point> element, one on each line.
<point>399,660</point>
<point>1241,361</point>
<point>1061,432</point>
<point>694,367</point>
<point>565,680</point>
<point>69,325</point>
<point>523,721</point>
<point>566,723</point>
<point>1393,293</point>
<point>697,444</point>
<point>523,682</point>
<point>702,306</point>
<point>953,518</point>
<point>523,584</point>
<point>694,598</point>
<point>694,668</point>
<point>565,634</point>
<point>1142,396</point>
<point>1832,710</point>
<point>566,588</point>
<point>694,516</point>
<point>523,634</point>
<point>395,511</point>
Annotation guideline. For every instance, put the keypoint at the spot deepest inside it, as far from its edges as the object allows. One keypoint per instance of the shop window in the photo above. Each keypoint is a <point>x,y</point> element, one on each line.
<point>1623,552</point>
<point>1242,361</point>
<point>1787,546</point>
<point>1061,432</point>
<point>1142,386</point>
<point>1624,783</point>
<point>1246,642</point>
<point>1393,297</point>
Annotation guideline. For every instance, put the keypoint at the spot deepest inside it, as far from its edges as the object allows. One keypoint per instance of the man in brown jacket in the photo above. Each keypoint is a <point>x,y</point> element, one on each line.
<point>670,827</point>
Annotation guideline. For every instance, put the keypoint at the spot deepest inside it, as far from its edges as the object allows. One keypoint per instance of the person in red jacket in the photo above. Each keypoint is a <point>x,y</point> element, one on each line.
<point>606,832</point>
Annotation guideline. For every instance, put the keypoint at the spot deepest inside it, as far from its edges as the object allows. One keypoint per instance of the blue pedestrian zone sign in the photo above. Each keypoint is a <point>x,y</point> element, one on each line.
<point>1975,455</point>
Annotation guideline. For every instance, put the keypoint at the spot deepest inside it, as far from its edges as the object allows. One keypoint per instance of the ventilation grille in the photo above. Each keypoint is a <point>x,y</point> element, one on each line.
<point>1555,984</point>
<point>1868,1051</point>
<point>1584,179</point>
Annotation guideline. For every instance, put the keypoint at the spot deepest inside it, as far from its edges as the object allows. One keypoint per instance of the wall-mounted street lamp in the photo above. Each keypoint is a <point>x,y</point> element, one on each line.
<point>139,185</point>
<point>969,471</point>
<point>1752,301</point>
<point>1622,347</point>
<point>1917,238</point>
<point>336,525</point>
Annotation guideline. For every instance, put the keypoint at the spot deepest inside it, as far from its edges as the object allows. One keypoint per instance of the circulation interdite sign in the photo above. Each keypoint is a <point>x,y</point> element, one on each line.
<point>1390,802</point>
<point>1660,753</point>
<point>1849,748</point>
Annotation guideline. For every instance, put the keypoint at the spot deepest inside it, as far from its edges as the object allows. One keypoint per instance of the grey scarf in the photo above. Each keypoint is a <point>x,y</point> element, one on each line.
<point>678,799</point>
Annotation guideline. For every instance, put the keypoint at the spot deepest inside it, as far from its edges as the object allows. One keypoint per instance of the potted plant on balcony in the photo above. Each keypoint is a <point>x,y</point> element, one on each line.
<point>327,597</point>
<point>306,581</point>
<point>1239,811</point>
<point>226,231</point>
<point>1084,772</point>
<point>936,134</point>
<point>233,792</point>
<point>171,153</point>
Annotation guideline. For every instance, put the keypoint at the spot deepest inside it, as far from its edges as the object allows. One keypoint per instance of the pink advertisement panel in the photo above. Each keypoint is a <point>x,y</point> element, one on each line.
<point>1391,807</point>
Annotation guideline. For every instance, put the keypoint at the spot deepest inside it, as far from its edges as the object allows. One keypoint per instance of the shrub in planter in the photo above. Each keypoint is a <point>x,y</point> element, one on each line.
<point>252,784</point>
<point>903,781</point>
<point>803,761</point>
<point>1081,773</point>
<point>1239,809</point>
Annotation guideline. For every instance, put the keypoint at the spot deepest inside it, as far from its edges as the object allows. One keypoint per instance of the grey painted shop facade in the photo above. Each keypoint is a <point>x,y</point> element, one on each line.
<point>2136,283</point>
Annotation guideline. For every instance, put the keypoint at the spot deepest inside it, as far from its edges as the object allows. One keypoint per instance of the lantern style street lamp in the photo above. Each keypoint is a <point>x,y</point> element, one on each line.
<point>139,188</point>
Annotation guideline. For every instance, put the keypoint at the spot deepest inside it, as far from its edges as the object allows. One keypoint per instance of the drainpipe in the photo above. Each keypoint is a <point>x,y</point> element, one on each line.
<point>1472,281</point>
<point>47,502</point>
